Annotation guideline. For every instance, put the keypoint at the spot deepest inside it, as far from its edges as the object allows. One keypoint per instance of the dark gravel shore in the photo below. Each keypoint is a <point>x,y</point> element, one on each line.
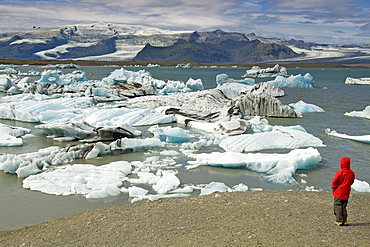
<point>268,218</point>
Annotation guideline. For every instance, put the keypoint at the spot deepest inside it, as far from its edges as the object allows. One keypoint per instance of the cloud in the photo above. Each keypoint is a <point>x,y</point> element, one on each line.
<point>291,18</point>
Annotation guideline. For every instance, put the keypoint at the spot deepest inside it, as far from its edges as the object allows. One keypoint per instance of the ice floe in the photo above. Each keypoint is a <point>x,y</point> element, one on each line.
<point>256,71</point>
<point>27,164</point>
<point>279,137</point>
<point>361,186</point>
<point>357,81</point>
<point>302,107</point>
<point>363,114</point>
<point>294,81</point>
<point>10,136</point>
<point>363,138</point>
<point>278,168</point>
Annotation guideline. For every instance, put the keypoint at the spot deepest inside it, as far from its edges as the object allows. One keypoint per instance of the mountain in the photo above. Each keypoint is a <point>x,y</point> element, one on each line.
<point>217,47</point>
<point>118,42</point>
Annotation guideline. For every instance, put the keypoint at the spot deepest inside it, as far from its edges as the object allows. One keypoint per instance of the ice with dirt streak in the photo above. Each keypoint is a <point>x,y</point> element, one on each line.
<point>11,136</point>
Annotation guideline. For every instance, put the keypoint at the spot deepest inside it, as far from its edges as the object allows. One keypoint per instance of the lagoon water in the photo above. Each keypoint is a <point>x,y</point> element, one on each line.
<point>20,207</point>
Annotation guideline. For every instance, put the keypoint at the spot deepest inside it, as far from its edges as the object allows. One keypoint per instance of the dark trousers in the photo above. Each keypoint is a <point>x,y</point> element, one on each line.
<point>340,210</point>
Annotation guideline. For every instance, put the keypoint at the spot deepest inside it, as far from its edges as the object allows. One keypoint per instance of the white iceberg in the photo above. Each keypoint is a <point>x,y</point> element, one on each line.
<point>357,81</point>
<point>224,78</point>
<point>361,186</point>
<point>170,134</point>
<point>121,116</point>
<point>363,139</point>
<point>279,137</point>
<point>35,111</point>
<point>302,107</point>
<point>279,168</point>
<point>27,164</point>
<point>52,76</point>
<point>363,114</point>
<point>294,81</point>
<point>88,180</point>
<point>213,187</point>
<point>256,71</point>
<point>6,82</point>
<point>10,136</point>
<point>145,78</point>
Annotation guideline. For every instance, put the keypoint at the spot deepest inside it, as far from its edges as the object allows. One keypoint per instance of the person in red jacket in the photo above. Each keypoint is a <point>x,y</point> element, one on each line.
<point>341,186</point>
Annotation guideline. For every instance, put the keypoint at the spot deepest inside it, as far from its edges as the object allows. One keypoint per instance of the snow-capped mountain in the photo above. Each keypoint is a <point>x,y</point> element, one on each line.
<point>118,42</point>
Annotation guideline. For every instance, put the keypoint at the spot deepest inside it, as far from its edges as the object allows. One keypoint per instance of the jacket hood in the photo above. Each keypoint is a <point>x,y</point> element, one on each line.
<point>345,163</point>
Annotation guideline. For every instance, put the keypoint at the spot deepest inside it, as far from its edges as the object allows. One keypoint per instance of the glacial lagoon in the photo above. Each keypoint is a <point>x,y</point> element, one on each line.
<point>21,207</point>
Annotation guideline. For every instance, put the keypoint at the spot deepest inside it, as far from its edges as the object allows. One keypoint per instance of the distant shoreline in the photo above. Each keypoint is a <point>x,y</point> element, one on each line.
<point>172,64</point>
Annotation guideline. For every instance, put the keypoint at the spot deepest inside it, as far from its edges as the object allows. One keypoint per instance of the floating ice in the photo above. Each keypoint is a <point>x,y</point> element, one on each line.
<point>294,81</point>
<point>213,187</point>
<point>224,78</point>
<point>301,106</point>
<point>279,168</point>
<point>10,136</point>
<point>170,134</point>
<point>357,81</point>
<point>280,137</point>
<point>78,130</point>
<point>88,180</point>
<point>60,110</point>
<point>145,78</point>
<point>6,83</point>
<point>361,186</point>
<point>363,139</point>
<point>256,71</point>
<point>32,163</point>
<point>121,116</point>
<point>363,114</point>
<point>167,181</point>
<point>52,76</point>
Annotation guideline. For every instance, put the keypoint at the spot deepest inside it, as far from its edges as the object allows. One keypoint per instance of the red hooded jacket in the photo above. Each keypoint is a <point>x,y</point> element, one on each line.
<point>343,179</point>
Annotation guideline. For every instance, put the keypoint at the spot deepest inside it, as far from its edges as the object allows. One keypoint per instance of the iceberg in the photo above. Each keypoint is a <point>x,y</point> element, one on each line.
<point>100,117</point>
<point>361,186</point>
<point>83,179</point>
<point>224,78</point>
<point>294,81</point>
<point>363,114</point>
<point>302,107</point>
<point>10,136</point>
<point>52,76</point>
<point>145,79</point>
<point>363,139</point>
<point>213,187</point>
<point>28,164</point>
<point>169,134</point>
<point>357,81</point>
<point>275,71</point>
<point>79,130</point>
<point>279,137</point>
<point>279,168</point>
<point>6,82</point>
<point>35,111</point>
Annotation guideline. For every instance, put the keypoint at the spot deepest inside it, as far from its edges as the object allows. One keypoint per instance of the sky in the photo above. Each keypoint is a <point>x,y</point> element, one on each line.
<point>320,21</point>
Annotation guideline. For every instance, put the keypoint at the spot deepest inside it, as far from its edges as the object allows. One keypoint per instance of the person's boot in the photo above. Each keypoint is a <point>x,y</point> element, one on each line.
<point>338,223</point>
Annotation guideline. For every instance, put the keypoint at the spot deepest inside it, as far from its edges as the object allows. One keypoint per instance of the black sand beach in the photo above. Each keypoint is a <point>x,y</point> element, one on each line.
<point>268,218</point>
